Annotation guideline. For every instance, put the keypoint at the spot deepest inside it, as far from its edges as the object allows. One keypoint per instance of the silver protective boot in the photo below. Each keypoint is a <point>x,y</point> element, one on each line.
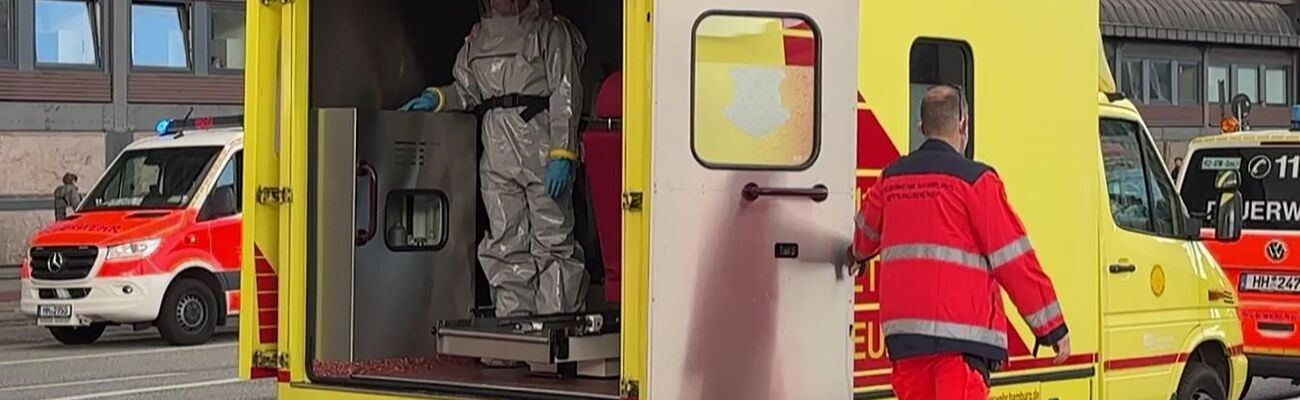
<point>530,257</point>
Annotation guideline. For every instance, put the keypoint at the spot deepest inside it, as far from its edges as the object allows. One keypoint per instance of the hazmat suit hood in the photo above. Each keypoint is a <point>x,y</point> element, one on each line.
<point>506,17</point>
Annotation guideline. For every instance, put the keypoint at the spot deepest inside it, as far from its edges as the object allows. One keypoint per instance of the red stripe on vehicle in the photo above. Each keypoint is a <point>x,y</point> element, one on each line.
<point>875,149</point>
<point>871,380</point>
<point>268,300</point>
<point>268,317</point>
<point>268,334</point>
<point>284,376</point>
<point>1143,362</point>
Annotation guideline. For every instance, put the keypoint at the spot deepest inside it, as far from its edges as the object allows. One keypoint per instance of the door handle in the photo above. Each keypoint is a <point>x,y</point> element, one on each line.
<point>817,193</point>
<point>1123,268</point>
<point>364,170</point>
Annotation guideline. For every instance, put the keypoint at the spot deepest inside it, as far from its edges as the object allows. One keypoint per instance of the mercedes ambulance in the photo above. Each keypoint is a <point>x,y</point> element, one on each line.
<point>154,243</point>
<point>1262,265</point>
<point>724,155</point>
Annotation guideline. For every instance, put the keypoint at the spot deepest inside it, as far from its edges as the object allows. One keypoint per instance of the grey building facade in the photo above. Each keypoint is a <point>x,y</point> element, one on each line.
<point>81,79</point>
<point>1179,60</point>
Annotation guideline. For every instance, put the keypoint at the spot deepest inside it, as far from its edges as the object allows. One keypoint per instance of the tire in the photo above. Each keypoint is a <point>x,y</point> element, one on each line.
<point>1200,382</point>
<point>76,336</point>
<point>189,313</point>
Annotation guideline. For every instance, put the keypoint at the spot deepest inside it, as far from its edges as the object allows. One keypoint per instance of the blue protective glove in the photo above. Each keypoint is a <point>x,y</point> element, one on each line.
<point>426,101</point>
<point>557,176</point>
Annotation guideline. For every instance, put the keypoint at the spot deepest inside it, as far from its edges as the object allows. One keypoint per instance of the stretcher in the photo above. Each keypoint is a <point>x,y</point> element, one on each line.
<point>564,346</point>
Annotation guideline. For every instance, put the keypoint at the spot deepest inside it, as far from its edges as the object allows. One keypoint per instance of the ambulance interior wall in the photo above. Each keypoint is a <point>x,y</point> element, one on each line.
<point>378,54</point>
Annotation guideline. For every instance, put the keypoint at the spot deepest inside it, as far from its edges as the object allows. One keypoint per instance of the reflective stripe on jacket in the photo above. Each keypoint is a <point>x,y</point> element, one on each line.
<point>949,243</point>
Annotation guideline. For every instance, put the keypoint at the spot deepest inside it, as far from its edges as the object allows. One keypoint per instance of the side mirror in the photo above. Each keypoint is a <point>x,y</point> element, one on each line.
<point>221,203</point>
<point>1230,208</point>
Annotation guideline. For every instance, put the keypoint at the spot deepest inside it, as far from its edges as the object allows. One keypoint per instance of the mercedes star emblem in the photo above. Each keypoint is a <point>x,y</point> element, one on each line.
<point>1276,250</point>
<point>55,263</point>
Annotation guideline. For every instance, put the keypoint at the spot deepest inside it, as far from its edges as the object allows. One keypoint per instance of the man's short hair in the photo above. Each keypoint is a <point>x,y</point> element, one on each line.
<point>942,109</point>
<point>69,178</point>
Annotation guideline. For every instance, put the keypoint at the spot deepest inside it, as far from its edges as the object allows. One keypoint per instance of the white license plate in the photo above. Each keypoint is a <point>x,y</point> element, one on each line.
<point>54,310</point>
<point>1270,283</point>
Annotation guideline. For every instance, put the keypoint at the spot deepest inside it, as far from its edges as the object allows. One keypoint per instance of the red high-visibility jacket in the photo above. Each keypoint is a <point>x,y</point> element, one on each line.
<point>949,243</point>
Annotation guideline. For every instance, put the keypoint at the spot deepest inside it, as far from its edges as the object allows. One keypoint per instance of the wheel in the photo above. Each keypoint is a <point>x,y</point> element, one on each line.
<point>189,313</point>
<point>78,335</point>
<point>1200,382</point>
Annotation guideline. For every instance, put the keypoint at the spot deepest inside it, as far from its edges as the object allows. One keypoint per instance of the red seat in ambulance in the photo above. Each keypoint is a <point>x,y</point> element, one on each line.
<point>603,145</point>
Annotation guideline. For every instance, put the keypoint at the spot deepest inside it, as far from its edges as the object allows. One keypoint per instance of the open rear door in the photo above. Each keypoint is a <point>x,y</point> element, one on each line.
<point>752,169</point>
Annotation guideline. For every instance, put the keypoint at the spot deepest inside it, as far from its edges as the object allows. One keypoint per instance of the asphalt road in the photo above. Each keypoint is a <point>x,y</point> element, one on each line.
<point>121,365</point>
<point>138,365</point>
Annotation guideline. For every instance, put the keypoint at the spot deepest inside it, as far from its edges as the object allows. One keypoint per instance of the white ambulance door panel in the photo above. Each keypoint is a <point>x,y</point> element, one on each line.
<point>753,141</point>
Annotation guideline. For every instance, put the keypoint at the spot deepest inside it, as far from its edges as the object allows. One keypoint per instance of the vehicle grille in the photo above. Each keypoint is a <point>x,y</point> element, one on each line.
<point>74,293</point>
<point>76,262</point>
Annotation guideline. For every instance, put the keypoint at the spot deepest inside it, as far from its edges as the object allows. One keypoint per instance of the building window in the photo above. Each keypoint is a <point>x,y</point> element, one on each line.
<point>6,32</point>
<point>940,62</point>
<point>1247,81</point>
<point>1275,85</point>
<point>67,32</point>
<point>227,38</point>
<point>1160,87</point>
<point>1189,84</point>
<point>749,110</point>
<point>1217,83</point>
<point>1132,77</point>
<point>160,35</point>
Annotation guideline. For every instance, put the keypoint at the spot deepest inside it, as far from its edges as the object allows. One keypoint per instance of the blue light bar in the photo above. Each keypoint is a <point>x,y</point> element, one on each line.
<point>1295,118</point>
<point>167,127</point>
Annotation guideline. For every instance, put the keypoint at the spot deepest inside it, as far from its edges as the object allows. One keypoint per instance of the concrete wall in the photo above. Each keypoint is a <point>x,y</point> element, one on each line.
<point>34,164</point>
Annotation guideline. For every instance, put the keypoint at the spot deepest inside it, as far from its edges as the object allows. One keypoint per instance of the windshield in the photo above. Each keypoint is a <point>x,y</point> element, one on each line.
<point>153,178</point>
<point>1270,183</point>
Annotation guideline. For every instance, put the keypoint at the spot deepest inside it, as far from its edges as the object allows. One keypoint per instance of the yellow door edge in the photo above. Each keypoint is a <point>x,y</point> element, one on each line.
<point>637,101</point>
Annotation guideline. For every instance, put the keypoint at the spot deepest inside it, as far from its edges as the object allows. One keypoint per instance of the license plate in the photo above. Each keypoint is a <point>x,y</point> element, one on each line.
<point>1270,283</point>
<point>54,310</point>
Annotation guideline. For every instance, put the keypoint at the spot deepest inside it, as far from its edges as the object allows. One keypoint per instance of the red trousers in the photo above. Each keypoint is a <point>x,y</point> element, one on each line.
<point>939,376</point>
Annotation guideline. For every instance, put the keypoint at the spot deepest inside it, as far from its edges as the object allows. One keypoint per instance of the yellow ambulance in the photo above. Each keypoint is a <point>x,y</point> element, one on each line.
<point>730,141</point>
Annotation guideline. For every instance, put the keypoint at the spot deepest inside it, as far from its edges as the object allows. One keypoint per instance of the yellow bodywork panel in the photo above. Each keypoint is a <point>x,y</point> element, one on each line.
<point>258,332</point>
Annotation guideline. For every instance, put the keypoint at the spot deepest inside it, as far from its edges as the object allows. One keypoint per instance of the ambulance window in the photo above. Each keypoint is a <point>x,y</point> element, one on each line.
<point>756,90</point>
<point>415,220</point>
<point>1142,198</point>
<point>941,62</point>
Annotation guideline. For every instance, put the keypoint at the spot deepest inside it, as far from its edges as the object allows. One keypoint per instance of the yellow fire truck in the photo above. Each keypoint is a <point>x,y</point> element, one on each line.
<point>725,149</point>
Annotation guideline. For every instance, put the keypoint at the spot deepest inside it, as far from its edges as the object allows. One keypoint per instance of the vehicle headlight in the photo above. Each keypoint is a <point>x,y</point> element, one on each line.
<point>139,249</point>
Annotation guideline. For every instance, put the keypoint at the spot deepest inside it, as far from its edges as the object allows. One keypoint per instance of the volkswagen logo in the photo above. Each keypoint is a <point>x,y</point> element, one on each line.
<point>55,263</point>
<point>1276,250</point>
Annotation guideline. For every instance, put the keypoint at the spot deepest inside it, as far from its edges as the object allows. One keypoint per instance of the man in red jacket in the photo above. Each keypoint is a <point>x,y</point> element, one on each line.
<point>949,244</point>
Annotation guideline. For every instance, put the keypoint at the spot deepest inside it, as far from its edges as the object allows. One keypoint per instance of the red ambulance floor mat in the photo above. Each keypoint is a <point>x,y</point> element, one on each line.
<point>459,371</point>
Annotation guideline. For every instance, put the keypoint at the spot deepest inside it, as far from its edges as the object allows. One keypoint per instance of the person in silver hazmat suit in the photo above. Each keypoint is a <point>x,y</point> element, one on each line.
<point>519,71</point>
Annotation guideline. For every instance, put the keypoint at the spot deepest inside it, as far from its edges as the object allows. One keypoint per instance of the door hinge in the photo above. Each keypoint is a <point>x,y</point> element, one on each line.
<point>270,359</point>
<point>629,389</point>
<point>270,2</point>
<point>274,195</point>
<point>632,201</point>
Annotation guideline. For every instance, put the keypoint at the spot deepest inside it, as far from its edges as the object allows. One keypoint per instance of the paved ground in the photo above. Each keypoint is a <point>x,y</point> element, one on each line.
<point>138,365</point>
<point>122,365</point>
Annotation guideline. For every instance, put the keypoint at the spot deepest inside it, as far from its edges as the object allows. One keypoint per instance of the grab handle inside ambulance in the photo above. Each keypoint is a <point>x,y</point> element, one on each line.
<point>364,170</point>
<point>753,191</point>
